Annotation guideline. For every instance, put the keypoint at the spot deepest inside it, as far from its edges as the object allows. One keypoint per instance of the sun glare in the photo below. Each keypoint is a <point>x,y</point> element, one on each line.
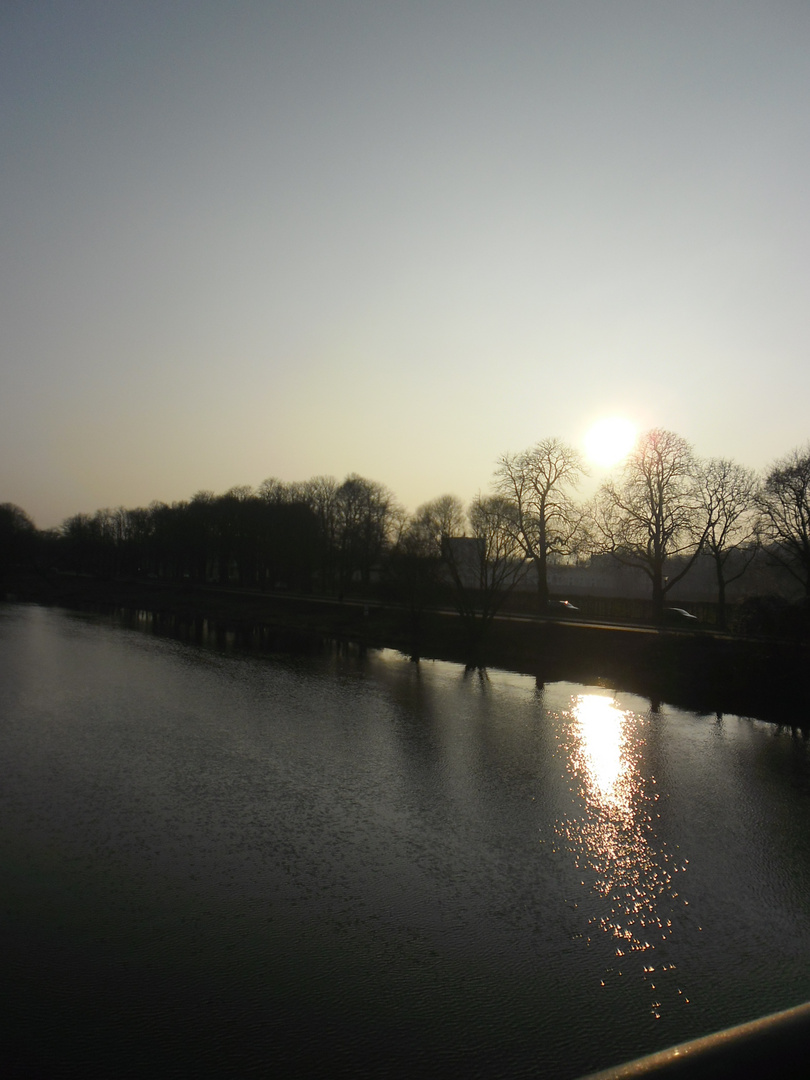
<point>610,440</point>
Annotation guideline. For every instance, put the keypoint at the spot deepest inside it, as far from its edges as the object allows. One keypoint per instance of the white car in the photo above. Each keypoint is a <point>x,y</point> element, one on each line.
<point>679,615</point>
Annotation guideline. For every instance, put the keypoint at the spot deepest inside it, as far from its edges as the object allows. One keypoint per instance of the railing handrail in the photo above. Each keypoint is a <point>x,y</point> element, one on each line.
<point>775,1045</point>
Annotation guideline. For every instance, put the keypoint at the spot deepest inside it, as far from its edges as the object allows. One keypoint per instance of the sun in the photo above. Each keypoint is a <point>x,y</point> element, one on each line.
<point>610,440</point>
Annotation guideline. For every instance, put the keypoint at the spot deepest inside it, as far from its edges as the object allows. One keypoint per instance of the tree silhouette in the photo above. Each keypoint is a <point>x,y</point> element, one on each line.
<point>319,494</point>
<point>485,566</point>
<point>18,538</point>
<point>538,484</point>
<point>784,501</point>
<point>728,495</point>
<point>415,561</point>
<point>432,523</point>
<point>364,514</point>
<point>653,513</point>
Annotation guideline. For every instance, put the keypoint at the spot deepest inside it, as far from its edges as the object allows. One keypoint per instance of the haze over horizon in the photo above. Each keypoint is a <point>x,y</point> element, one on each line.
<point>266,239</point>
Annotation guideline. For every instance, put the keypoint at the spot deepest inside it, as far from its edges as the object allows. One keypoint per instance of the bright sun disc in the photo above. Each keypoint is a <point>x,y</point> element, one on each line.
<point>610,440</point>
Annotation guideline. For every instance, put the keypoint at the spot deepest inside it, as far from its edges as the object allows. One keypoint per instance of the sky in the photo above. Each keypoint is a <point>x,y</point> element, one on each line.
<point>250,239</point>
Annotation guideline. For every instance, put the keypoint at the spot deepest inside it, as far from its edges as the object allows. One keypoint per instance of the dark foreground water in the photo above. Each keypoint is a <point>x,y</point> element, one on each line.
<point>350,865</point>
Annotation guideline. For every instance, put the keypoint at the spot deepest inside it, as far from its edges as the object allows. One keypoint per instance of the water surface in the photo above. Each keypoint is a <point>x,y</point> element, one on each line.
<point>344,863</point>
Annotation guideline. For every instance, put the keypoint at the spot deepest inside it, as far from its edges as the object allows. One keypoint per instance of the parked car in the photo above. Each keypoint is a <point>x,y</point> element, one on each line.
<point>680,616</point>
<point>561,607</point>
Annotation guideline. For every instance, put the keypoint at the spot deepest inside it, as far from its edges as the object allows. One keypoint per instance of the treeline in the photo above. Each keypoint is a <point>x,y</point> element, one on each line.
<point>663,509</point>
<point>319,534</point>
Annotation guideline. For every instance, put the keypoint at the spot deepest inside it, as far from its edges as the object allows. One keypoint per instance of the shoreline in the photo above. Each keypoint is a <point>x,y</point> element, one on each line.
<point>702,672</point>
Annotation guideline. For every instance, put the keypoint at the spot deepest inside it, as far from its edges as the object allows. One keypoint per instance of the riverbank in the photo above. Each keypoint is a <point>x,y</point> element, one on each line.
<point>699,671</point>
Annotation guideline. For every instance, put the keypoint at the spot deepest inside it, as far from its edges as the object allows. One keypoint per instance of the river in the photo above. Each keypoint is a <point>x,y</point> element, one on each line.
<point>229,862</point>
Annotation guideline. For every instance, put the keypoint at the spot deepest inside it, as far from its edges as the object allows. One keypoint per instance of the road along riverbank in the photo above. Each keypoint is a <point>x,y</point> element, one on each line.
<point>701,671</point>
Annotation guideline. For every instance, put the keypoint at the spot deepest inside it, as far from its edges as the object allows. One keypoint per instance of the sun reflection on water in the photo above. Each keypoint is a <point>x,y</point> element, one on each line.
<point>602,749</point>
<point>615,841</point>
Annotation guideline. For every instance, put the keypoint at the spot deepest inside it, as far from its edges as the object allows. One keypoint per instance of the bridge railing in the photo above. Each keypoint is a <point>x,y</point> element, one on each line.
<point>773,1046</point>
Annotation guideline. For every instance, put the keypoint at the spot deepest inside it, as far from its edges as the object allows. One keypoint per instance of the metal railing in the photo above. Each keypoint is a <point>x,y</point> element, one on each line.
<point>775,1046</point>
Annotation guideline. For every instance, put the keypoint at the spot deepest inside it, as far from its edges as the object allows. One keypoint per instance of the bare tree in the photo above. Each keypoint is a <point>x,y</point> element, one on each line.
<point>728,496</point>
<point>415,563</point>
<point>366,515</point>
<point>653,513</point>
<point>320,495</point>
<point>785,505</point>
<point>432,523</point>
<point>538,484</point>
<point>486,566</point>
<point>234,517</point>
<point>276,492</point>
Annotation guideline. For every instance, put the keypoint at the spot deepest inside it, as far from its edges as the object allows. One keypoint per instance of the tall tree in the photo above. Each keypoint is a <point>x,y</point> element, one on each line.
<point>88,542</point>
<point>485,566</point>
<point>432,523</point>
<point>653,513</point>
<point>538,485</point>
<point>289,540</point>
<point>203,528</point>
<point>320,495</point>
<point>415,561</point>
<point>365,512</point>
<point>785,504</point>
<point>728,496</point>
<point>275,491</point>
<point>239,510</point>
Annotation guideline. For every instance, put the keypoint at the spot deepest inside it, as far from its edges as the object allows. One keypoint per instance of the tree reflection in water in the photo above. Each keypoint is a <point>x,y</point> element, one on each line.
<point>616,841</point>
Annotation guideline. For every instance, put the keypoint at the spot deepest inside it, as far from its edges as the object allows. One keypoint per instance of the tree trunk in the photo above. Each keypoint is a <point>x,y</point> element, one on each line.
<point>541,566</point>
<point>721,598</point>
<point>658,595</point>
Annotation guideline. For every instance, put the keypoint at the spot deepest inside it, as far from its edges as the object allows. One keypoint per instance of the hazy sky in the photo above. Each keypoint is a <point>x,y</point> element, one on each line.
<point>243,239</point>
